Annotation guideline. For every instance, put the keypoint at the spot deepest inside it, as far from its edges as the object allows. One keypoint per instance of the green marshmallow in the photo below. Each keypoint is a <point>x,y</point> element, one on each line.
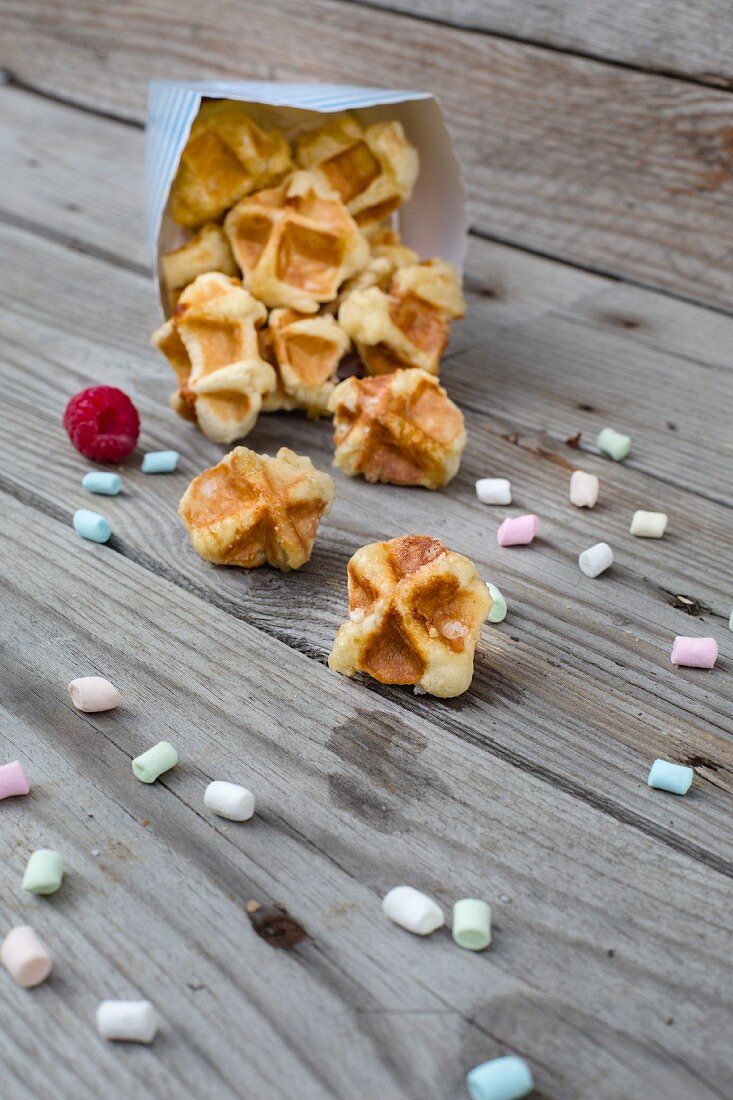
<point>613,443</point>
<point>471,924</point>
<point>44,872</point>
<point>149,765</point>
<point>498,607</point>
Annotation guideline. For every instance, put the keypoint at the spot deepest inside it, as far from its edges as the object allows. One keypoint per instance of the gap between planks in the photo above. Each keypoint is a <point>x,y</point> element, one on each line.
<point>484,742</point>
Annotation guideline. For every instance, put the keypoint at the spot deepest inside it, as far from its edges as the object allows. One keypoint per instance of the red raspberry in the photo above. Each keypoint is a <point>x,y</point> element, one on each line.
<point>102,423</point>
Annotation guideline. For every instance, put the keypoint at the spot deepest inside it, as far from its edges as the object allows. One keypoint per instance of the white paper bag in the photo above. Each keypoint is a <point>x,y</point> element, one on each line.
<point>433,222</point>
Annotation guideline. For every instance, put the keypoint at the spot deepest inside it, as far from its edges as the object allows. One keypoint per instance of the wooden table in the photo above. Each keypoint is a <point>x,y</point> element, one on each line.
<point>599,287</point>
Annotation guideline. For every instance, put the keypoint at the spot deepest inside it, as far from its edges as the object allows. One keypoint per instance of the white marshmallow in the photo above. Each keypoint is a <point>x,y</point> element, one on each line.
<point>94,693</point>
<point>584,489</point>
<point>229,800</point>
<point>648,525</point>
<point>596,559</point>
<point>128,1021</point>
<point>494,490</point>
<point>413,910</point>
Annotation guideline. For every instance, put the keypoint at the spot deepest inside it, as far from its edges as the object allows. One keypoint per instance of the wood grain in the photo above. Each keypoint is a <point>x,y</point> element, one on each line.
<point>610,968</point>
<point>621,171</point>
<point>555,666</point>
<point>352,799</point>
<point>691,38</point>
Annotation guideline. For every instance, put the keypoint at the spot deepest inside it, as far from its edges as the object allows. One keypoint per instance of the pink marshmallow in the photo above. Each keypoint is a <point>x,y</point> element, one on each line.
<point>94,693</point>
<point>25,957</point>
<point>694,652</point>
<point>518,531</point>
<point>584,489</point>
<point>13,780</point>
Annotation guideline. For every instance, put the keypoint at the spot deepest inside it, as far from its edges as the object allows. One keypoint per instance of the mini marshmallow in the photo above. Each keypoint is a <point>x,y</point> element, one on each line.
<point>471,924</point>
<point>665,776</point>
<point>229,800</point>
<point>730,621</point>
<point>494,490</point>
<point>25,957</point>
<point>596,559</point>
<point>584,489</point>
<point>13,780</point>
<point>160,462</point>
<point>44,872</point>
<point>518,531</point>
<point>413,910</point>
<point>149,765</point>
<point>93,694</point>
<point>694,652</point>
<point>613,443</point>
<point>507,1078</point>
<point>648,525</point>
<point>92,526</point>
<point>498,607</point>
<point>127,1021</point>
<point>97,481</point>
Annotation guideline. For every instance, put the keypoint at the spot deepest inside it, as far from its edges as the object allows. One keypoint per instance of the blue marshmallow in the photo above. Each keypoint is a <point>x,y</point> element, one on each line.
<point>507,1078</point>
<point>670,777</point>
<point>160,462</point>
<point>92,526</point>
<point>96,481</point>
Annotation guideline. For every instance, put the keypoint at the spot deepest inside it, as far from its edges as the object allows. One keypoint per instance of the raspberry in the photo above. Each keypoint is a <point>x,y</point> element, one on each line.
<point>103,424</point>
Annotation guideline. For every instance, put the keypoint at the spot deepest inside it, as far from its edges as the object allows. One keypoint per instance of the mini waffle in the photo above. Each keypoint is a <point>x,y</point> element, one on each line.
<point>226,156</point>
<point>415,616</point>
<point>307,351</point>
<point>410,325</point>
<point>400,428</point>
<point>207,250</point>
<point>373,169</point>
<point>252,509</point>
<point>296,243</point>
<point>211,342</point>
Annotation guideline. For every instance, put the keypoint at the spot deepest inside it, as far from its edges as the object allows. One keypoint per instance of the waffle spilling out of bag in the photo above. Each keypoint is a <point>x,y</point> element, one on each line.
<point>291,263</point>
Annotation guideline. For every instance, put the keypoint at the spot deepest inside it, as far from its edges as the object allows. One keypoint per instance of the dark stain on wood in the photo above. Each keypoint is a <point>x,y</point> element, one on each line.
<point>689,605</point>
<point>274,925</point>
<point>381,753</point>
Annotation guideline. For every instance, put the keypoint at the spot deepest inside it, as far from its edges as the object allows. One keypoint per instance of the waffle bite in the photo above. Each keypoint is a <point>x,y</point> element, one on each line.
<point>227,155</point>
<point>410,325</point>
<point>306,352</point>
<point>400,428</point>
<point>206,250</point>
<point>211,342</point>
<point>415,615</point>
<point>252,509</point>
<point>373,169</point>
<point>296,243</point>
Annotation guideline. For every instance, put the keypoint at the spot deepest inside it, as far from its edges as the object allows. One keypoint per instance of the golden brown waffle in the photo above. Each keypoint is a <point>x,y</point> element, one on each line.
<point>307,351</point>
<point>400,428</point>
<point>251,509</point>
<point>415,615</point>
<point>226,156</point>
<point>388,254</point>
<point>211,342</point>
<point>410,325</point>
<point>296,243</point>
<point>206,250</point>
<point>373,169</point>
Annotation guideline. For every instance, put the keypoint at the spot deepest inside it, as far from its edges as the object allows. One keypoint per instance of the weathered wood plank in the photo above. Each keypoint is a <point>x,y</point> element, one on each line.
<point>72,175</point>
<point>619,170</point>
<point>352,798</point>
<point>691,38</point>
<point>584,632</point>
